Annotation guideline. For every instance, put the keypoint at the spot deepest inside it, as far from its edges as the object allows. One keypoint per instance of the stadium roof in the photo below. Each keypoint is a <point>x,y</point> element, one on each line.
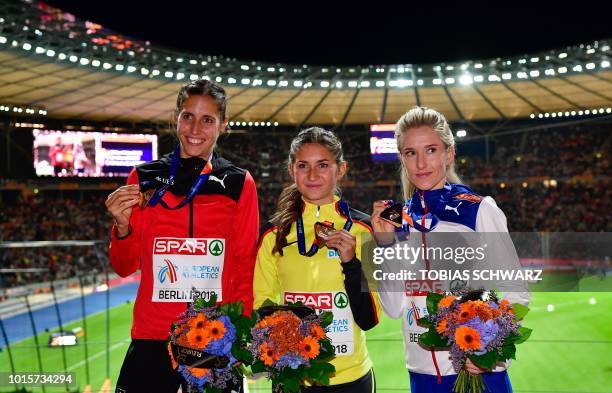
<point>52,62</point>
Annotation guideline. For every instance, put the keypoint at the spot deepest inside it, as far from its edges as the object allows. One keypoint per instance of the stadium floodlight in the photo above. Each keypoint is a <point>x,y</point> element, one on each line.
<point>478,78</point>
<point>40,50</point>
<point>562,70</point>
<point>437,68</point>
<point>549,72</point>
<point>168,74</point>
<point>84,61</point>
<point>608,110</point>
<point>450,68</point>
<point>437,81</point>
<point>3,40</point>
<point>193,77</point>
<point>297,83</point>
<point>464,66</point>
<point>61,56</point>
<point>534,73</point>
<point>50,52</point>
<point>532,116</point>
<point>250,123</point>
<point>466,79</point>
<point>364,84</point>
<point>95,63</point>
<point>590,66</point>
<point>562,55</point>
<point>244,67</point>
<point>131,69</point>
<point>231,80</point>
<point>179,76</point>
<point>193,62</point>
<point>73,58</point>
<point>478,65</point>
<point>601,110</point>
<point>245,81</point>
<point>256,124</point>
<point>522,61</point>
<point>420,82</point>
<point>587,112</point>
<point>521,75</point>
<point>107,66</point>
<point>577,68</point>
<point>270,69</point>
<point>324,83</point>
<point>461,133</point>
<point>271,82</point>
<point>339,84</point>
<point>352,84</point>
<point>506,76</point>
<point>535,59</point>
<point>573,113</point>
<point>257,82</point>
<point>559,114</point>
<point>566,114</point>
<point>119,67</point>
<point>27,46</point>
<point>547,114</point>
<point>275,123</point>
<point>380,83</point>
<point>244,123</point>
<point>553,114</point>
<point>605,64</point>
<point>179,59</point>
<point>155,72</point>
<point>494,78</point>
<point>590,51</point>
<point>580,113</point>
<point>283,83</point>
<point>231,123</point>
<point>268,124</point>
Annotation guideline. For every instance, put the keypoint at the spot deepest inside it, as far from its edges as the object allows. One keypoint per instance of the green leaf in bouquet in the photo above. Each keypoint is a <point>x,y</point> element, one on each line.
<point>268,303</point>
<point>432,302</point>
<point>519,311</point>
<point>242,354</point>
<point>291,385</point>
<point>431,338</point>
<point>508,352</point>
<point>258,367</point>
<point>327,317</point>
<point>524,334</point>
<point>424,322</point>
<point>486,360</point>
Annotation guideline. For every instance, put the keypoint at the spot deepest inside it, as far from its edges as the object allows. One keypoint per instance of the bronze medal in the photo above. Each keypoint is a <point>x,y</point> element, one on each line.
<point>143,198</point>
<point>393,214</point>
<point>322,231</point>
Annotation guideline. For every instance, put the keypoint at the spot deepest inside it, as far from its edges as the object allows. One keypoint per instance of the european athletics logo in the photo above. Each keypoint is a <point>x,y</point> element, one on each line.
<point>167,271</point>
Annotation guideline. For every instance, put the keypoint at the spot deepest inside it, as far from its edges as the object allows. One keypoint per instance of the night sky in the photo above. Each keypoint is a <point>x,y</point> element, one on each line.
<point>301,32</point>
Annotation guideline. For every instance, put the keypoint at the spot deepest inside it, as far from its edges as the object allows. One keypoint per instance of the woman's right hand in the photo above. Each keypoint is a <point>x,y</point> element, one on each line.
<point>120,204</point>
<point>384,231</point>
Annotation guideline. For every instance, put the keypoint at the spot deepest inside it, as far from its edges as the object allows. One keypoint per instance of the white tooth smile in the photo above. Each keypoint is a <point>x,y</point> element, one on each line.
<point>194,141</point>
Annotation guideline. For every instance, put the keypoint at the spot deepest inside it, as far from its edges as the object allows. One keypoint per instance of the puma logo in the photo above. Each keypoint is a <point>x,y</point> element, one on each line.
<point>446,207</point>
<point>220,181</point>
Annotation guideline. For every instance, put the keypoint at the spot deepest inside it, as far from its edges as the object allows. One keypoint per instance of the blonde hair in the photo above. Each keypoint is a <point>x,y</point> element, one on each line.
<point>422,116</point>
<point>290,200</point>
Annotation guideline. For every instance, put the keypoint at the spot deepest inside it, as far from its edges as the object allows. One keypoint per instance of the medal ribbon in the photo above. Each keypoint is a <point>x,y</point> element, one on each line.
<point>301,238</point>
<point>195,187</point>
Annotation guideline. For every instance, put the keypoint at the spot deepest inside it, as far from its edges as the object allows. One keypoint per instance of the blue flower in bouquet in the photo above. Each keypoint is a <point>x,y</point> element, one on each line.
<point>222,343</point>
<point>487,330</point>
<point>291,360</point>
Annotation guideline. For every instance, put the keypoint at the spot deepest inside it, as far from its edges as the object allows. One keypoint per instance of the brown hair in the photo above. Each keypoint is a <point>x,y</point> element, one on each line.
<point>290,200</point>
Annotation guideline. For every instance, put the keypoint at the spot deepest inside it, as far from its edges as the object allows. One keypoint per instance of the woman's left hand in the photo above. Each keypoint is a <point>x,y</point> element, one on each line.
<point>474,369</point>
<point>344,242</point>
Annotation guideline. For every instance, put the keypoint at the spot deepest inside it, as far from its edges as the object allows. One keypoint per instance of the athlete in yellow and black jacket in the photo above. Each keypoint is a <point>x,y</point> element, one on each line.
<point>323,282</point>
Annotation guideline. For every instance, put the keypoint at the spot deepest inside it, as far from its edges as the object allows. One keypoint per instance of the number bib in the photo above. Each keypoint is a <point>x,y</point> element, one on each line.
<point>182,264</point>
<point>340,331</point>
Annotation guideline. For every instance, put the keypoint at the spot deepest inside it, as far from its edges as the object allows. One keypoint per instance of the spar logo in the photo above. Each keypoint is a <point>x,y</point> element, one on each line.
<point>422,287</point>
<point>319,301</point>
<point>340,300</point>
<point>167,271</point>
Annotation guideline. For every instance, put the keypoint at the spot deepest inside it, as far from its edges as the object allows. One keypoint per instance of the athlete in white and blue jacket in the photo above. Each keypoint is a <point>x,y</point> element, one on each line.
<point>436,202</point>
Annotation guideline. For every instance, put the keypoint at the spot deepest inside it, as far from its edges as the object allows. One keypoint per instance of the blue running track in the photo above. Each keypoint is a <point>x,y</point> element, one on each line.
<point>19,327</point>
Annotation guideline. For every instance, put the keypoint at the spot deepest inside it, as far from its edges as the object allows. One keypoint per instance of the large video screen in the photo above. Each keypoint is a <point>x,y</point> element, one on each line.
<point>382,142</point>
<point>90,154</point>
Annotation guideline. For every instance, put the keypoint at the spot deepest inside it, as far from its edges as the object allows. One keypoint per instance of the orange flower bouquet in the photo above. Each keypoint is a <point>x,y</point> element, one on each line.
<point>289,343</point>
<point>474,325</point>
<point>207,344</point>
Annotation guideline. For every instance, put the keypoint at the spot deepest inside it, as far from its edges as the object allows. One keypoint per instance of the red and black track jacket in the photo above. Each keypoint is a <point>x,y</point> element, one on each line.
<point>225,209</point>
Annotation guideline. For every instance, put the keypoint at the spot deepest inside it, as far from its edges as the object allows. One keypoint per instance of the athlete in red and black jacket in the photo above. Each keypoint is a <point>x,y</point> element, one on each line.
<point>188,220</point>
